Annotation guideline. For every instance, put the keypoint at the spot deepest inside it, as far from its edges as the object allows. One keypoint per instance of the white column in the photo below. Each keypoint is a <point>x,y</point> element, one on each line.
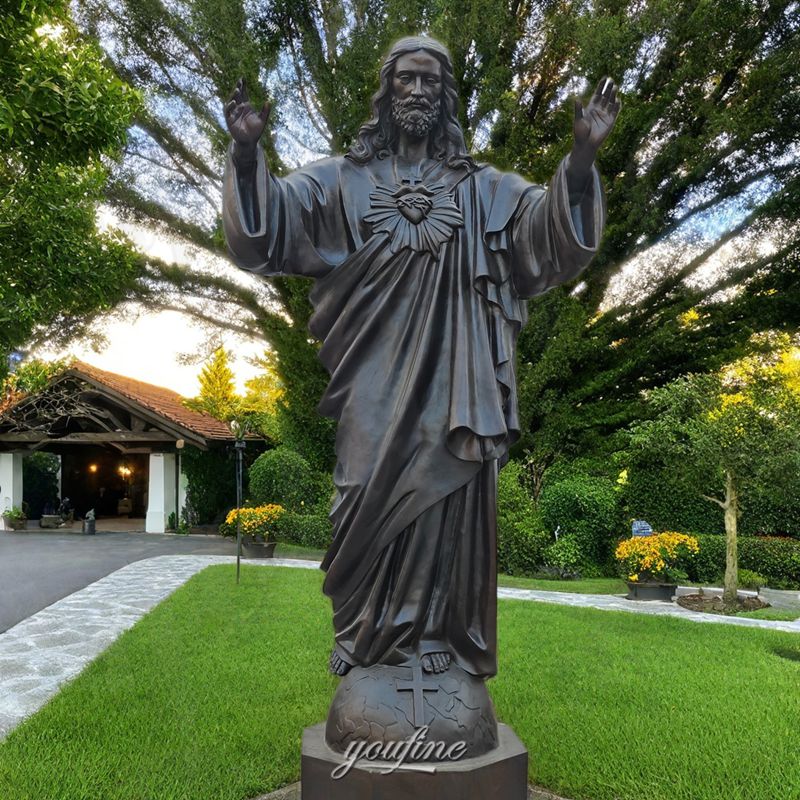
<point>161,492</point>
<point>10,482</point>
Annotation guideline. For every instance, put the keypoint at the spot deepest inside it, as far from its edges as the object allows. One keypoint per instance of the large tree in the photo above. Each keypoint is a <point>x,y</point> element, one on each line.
<point>726,434</point>
<point>701,248</point>
<point>62,110</point>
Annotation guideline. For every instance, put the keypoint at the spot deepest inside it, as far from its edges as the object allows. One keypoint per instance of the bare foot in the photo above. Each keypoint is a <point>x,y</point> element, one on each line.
<point>435,662</point>
<point>337,665</point>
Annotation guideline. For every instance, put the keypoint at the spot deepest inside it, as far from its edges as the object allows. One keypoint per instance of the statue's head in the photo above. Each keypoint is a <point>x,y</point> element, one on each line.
<point>417,94</point>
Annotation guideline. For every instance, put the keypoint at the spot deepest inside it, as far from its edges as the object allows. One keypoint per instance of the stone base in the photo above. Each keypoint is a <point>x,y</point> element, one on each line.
<point>501,774</point>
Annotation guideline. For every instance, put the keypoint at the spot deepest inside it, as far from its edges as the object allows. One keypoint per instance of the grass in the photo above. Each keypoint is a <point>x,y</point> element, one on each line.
<point>286,550</point>
<point>207,696</point>
<point>771,613</point>
<point>583,586</point>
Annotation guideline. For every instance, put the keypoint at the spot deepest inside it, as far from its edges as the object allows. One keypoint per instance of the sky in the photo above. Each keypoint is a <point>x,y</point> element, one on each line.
<point>148,348</point>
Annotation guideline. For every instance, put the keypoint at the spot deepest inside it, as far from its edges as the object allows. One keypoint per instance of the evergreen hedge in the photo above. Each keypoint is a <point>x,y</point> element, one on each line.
<point>776,558</point>
<point>521,535</point>
<point>668,502</point>
<point>307,530</point>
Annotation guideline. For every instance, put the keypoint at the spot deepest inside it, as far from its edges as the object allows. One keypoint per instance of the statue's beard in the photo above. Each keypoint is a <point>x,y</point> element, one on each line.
<point>415,115</point>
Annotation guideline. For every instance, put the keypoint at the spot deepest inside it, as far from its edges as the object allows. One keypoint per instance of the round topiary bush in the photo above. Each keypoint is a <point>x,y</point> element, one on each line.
<point>284,477</point>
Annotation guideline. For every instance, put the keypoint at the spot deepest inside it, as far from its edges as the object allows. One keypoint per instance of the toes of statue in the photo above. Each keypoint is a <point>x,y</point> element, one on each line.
<point>435,663</point>
<point>337,665</point>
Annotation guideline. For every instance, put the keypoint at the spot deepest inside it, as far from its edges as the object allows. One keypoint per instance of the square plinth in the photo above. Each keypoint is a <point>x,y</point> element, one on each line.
<point>501,774</point>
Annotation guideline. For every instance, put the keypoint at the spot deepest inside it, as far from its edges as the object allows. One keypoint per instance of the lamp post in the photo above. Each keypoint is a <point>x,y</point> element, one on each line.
<point>239,445</point>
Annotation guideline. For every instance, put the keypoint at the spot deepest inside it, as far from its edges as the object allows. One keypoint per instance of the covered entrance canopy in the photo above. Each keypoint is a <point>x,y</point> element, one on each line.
<point>119,441</point>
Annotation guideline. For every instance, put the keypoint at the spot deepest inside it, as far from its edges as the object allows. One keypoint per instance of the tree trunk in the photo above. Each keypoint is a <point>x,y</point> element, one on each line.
<point>731,562</point>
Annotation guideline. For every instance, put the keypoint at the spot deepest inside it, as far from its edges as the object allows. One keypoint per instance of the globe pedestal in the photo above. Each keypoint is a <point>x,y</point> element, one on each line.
<point>389,704</point>
<point>396,732</point>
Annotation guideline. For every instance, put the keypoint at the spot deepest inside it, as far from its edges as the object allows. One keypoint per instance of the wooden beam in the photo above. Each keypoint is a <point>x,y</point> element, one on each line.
<point>84,438</point>
<point>135,408</point>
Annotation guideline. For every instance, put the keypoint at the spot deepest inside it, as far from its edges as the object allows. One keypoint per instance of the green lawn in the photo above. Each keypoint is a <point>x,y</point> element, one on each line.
<point>583,586</point>
<point>206,698</point>
<point>771,613</point>
<point>285,550</point>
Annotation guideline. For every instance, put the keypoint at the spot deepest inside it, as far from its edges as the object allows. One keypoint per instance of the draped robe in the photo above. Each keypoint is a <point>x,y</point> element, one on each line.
<point>418,320</point>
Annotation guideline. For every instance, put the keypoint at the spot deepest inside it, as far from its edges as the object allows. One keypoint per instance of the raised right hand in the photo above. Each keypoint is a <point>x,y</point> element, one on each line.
<point>246,125</point>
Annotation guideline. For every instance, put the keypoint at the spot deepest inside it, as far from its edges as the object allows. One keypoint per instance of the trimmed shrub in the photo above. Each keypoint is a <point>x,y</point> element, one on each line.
<point>522,545</point>
<point>776,559</point>
<point>307,530</point>
<point>587,509</point>
<point>565,557</point>
<point>708,565</point>
<point>667,502</point>
<point>284,477</point>
<point>751,580</point>
<point>521,536</point>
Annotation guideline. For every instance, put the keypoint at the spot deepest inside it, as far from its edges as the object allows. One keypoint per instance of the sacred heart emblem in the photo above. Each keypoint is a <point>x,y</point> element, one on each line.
<point>414,204</point>
<point>420,218</point>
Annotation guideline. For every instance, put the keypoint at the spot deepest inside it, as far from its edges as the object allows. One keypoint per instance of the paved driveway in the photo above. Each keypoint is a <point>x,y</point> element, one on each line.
<point>38,568</point>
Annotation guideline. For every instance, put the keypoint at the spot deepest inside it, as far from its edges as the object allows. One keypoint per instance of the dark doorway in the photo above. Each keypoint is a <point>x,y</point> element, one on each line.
<point>114,485</point>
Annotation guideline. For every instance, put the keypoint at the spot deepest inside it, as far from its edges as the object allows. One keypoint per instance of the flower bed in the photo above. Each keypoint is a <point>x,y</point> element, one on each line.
<point>662,557</point>
<point>260,521</point>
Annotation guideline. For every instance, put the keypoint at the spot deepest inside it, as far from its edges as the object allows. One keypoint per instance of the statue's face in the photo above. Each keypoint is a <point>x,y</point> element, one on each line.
<point>416,92</point>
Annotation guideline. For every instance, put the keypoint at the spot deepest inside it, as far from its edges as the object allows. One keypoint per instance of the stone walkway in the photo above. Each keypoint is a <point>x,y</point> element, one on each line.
<point>613,602</point>
<point>44,651</point>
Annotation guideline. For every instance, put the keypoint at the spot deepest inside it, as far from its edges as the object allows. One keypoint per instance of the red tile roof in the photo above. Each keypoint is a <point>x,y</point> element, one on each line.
<point>161,401</point>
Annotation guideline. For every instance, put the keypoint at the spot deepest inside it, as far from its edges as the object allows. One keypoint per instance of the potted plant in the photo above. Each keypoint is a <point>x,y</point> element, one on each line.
<point>14,518</point>
<point>652,565</point>
<point>258,525</point>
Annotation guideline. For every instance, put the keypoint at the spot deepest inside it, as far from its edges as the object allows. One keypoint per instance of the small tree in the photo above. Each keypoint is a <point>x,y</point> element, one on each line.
<point>217,389</point>
<point>726,433</point>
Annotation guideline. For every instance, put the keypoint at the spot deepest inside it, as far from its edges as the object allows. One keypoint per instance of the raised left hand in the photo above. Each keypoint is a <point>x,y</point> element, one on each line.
<point>592,124</point>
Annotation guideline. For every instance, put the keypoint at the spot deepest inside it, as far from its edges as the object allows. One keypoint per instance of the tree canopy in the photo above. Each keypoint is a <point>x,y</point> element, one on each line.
<point>727,434</point>
<point>62,112</point>
<point>701,248</point>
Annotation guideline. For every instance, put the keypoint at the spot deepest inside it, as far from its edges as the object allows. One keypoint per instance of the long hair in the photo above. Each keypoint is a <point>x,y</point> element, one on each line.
<point>378,137</point>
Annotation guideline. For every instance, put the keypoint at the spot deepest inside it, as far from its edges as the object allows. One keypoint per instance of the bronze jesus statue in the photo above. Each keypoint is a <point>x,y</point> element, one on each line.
<point>423,261</point>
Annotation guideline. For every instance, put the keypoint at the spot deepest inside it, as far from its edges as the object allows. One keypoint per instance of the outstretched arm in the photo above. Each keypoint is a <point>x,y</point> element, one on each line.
<point>590,129</point>
<point>557,232</point>
<point>246,126</point>
<point>272,225</point>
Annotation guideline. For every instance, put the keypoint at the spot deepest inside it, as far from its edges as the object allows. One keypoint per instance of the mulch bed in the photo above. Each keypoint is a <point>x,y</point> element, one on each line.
<point>712,604</point>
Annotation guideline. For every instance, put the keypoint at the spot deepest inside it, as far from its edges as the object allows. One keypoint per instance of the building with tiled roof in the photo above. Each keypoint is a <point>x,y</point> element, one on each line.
<point>119,441</point>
